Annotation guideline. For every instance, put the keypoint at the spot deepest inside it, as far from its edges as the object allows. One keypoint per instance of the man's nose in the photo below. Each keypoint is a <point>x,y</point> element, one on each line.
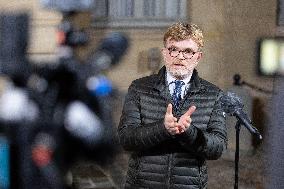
<point>180,56</point>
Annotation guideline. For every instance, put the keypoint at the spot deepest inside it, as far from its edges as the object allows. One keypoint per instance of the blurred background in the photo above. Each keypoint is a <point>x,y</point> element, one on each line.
<point>235,32</point>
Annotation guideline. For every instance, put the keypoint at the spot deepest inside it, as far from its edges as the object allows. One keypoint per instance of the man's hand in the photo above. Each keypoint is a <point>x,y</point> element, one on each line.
<point>170,121</point>
<point>171,124</point>
<point>185,120</point>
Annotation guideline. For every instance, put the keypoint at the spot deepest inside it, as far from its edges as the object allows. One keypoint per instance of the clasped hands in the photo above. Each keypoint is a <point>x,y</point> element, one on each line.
<point>175,126</point>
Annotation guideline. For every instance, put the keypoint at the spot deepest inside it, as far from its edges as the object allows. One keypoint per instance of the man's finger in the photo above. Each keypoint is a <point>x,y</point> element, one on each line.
<point>190,110</point>
<point>181,127</point>
<point>170,109</point>
<point>188,120</point>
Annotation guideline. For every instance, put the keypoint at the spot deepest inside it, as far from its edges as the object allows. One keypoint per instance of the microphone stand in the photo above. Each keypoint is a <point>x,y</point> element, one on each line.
<point>237,154</point>
<point>253,131</point>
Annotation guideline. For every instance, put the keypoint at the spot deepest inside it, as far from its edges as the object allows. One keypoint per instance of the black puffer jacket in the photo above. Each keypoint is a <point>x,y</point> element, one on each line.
<point>159,160</point>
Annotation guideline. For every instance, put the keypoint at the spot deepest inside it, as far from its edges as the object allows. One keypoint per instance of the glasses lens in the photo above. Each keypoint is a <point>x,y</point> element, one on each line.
<point>173,52</point>
<point>188,54</point>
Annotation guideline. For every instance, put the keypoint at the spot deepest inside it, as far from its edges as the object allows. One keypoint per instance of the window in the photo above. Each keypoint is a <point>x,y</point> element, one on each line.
<point>138,13</point>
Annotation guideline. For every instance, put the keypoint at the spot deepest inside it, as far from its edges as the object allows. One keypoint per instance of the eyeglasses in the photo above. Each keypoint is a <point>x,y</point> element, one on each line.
<point>187,53</point>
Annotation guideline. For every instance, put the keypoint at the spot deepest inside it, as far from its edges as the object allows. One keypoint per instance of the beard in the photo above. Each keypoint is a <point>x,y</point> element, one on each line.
<point>179,72</point>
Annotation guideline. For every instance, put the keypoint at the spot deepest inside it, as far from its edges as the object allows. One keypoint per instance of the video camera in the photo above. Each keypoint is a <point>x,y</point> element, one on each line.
<point>54,112</point>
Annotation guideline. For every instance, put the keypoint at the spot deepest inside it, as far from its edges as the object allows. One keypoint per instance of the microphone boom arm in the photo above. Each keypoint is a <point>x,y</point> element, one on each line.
<point>240,115</point>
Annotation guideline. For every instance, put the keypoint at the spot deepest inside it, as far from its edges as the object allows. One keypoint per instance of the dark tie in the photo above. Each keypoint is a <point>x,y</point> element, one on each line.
<point>177,93</point>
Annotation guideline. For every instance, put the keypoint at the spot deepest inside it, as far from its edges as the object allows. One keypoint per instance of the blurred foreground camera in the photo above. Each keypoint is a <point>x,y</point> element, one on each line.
<point>53,113</point>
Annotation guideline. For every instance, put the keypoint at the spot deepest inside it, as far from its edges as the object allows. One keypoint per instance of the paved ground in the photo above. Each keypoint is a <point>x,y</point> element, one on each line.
<point>251,172</point>
<point>88,175</point>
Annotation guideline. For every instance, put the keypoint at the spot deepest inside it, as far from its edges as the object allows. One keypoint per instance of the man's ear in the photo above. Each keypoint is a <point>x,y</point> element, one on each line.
<point>164,51</point>
<point>200,55</point>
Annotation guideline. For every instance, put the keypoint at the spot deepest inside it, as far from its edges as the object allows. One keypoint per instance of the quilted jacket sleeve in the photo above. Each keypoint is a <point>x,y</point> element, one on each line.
<point>211,142</point>
<point>133,135</point>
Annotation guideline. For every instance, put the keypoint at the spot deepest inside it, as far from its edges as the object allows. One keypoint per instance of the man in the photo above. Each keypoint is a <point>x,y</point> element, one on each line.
<point>172,122</point>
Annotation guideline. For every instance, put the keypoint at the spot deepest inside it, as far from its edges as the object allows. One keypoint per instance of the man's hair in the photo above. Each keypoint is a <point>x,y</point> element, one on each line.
<point>181,31</point>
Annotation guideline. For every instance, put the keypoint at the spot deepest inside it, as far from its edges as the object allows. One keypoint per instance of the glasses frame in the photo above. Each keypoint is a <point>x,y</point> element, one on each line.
<point>179,51</point>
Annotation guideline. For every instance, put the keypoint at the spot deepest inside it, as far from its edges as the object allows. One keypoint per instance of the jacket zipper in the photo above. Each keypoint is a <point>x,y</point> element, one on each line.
<point>169,171</point>
<point>199,177</point>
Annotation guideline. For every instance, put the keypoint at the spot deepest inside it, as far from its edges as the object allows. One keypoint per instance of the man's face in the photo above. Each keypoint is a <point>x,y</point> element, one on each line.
<point>181,57</point>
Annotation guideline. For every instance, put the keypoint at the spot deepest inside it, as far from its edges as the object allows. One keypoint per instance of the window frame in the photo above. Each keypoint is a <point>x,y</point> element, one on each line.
<point>136,18</point>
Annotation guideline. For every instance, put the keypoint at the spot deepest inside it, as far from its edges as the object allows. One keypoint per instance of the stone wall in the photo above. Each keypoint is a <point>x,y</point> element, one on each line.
<point>231,28</point>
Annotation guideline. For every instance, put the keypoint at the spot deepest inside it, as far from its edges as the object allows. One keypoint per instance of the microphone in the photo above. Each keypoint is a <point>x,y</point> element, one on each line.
<point>99,86</point>
<point>43,149</point>
<point>83,124</point>
<point>42,154</point>
<point>232,105</point>
<point>108,52</point>
<point>16,107</point>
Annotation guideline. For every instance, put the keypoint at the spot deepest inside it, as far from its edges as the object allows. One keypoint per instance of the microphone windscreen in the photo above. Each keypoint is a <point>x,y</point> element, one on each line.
<point>82,123</point>
<point>230,102</point>
<point>15,106</point>
<point>109,51</point>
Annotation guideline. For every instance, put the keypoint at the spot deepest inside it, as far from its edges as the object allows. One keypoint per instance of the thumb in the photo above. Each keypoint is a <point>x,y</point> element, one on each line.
<point>170,109</point>
<point>190,110</point>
